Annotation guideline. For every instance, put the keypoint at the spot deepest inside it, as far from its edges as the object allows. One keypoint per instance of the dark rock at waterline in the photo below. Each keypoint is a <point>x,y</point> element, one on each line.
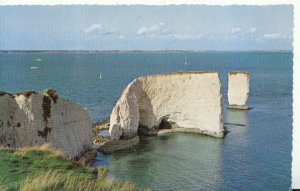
<point>236,124</point>
<point>115,145</point>
<point>144,130</point>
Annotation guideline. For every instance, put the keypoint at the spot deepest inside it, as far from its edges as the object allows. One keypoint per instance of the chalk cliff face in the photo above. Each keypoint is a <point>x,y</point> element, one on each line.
<point>238,89</point>
<point>30,119</point>
<point>190,101</point>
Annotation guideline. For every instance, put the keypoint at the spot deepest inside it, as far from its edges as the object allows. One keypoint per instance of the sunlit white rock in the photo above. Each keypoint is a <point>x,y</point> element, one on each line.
<point>31,119</point>
<point>238,89</point>
<point>191,100</point>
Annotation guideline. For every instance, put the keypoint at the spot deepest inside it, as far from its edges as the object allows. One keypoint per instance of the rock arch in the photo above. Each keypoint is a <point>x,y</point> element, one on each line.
<point>190,100</point>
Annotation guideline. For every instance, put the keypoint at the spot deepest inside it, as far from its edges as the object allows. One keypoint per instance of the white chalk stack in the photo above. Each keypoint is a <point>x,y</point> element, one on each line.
<point>191,100</point>
<point>238,89</point>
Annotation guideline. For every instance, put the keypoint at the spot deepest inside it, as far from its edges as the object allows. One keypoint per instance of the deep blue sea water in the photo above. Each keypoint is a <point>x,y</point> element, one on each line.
<point>252,157</point>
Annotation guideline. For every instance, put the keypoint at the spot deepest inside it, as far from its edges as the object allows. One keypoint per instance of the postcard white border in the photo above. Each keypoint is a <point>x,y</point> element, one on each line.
<point>296,68</point>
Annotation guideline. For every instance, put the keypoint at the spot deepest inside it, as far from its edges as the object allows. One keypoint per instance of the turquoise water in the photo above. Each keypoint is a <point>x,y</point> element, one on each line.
<point>256,156</point>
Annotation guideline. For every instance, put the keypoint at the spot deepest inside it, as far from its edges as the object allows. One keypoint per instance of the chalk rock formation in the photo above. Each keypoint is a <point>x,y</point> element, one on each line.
<point>31,119</point>
<point>189,101</point>
<point>238,89</point>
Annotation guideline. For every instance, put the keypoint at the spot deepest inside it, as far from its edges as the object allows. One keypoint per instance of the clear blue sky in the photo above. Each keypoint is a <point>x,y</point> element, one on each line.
<point>193,27</point>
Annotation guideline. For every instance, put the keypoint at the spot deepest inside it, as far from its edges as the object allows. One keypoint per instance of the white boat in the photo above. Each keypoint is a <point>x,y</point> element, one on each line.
<point>38,60</point>
<point>185,62</point>
<point>34,67</point>
<point>100,77</point>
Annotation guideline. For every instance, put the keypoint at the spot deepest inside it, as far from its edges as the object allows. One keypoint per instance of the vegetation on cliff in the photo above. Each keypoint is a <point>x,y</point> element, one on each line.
<point>39,169</point>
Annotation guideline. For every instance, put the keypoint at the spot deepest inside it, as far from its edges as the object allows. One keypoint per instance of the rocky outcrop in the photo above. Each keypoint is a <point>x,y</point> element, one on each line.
<point>189,101</point>
<point>238,89</point>
<point>116,145</point>
<point>31,118</point>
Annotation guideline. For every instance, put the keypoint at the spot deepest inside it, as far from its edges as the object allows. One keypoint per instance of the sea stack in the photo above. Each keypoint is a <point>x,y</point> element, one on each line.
<point>184,101</point>
<point>238,89</point>
<point>32,119</point>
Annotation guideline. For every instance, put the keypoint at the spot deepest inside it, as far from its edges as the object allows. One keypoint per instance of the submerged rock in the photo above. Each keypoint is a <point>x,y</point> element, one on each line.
<point>238,90</point>
<point>30,119</point>
<point>116,145</point>
<point>188,100</point>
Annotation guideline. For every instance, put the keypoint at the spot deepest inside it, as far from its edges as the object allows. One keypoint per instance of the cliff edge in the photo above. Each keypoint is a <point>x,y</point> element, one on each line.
<point>30,119</point>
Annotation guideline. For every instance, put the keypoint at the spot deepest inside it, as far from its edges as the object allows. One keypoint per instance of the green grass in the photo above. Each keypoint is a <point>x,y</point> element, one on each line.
<point>38,169</point>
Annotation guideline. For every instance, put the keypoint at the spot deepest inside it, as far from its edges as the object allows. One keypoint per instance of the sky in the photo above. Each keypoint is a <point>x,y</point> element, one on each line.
<point>141,27</point>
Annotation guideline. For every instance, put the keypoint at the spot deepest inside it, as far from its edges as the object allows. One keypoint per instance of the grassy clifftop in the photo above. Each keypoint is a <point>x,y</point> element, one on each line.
<point>38,169</point>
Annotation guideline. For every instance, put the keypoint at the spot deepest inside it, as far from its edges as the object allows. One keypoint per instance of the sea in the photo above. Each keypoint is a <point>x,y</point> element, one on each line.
<point>254,155</point>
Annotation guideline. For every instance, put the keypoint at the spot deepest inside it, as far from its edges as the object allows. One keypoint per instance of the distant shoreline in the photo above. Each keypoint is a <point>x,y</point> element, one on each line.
<point>132,51</point>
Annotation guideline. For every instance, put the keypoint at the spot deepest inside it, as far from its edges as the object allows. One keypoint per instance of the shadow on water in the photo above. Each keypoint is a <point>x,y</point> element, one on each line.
<point>237,117</point>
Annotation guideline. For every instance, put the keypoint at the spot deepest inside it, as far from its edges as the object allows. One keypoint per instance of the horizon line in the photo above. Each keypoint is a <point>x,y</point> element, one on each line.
<point>145,50</point>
